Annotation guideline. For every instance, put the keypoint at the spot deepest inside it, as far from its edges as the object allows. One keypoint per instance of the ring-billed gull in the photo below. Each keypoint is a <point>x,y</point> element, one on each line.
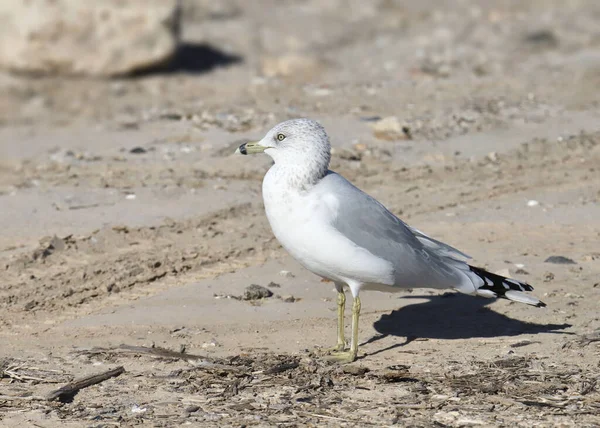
<point>342,234</point>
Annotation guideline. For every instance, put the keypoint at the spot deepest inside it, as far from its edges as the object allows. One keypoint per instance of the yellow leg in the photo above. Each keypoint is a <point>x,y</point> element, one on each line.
<point>341,339</point>
<point>355,317</point>
<point>350,355</point>
<point>341,308</point>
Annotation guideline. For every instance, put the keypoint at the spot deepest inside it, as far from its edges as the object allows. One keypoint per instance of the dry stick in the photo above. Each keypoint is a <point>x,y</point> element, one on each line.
<point>161,352</point>
<point>18,398</point>
<point>196,360</point>
<point>74,387</point>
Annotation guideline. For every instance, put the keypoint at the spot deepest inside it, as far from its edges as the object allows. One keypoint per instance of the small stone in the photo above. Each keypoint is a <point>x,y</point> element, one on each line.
<point>289,299</point>
<point>542,39</point>
<point>138,150</point>
<point>560,260</point>
<point>286,274</point>
<point>273,285</point>
<point>522,343</point>
<point>521,272</point>
<point>30,305</point>
<point>256,292</point>
<point>370,118</point>
<point>548,276</point>
<point>492,157</point>
<point>532,203</point>
<point>212,344</point>
<point>390,128</point>
<point>355,370</point>
<point>360,147</point>
<point>439,397</point>
<point>138,409</point>
<point>192,409</point>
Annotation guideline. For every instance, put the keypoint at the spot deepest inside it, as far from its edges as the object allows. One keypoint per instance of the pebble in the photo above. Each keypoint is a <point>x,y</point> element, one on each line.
<point>560,260</point>
<point>256,292</point>
<point>390,128</point>
<point>355,370</point>
<point>138,409</point>
<point>286,274</point>
<point>532,203</point>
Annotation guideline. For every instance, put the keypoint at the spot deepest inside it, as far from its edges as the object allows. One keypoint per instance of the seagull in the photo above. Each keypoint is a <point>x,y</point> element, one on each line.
<point>342,234</point>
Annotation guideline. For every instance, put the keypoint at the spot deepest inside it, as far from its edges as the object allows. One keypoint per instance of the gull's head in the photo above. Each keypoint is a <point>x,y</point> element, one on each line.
<point>294,142</point>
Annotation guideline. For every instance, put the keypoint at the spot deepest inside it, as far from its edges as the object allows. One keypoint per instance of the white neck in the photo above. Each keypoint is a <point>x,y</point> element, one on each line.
<point>300,170</point>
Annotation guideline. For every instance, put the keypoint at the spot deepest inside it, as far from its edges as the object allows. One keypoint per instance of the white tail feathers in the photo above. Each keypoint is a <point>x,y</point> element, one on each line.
<point>519,296</point>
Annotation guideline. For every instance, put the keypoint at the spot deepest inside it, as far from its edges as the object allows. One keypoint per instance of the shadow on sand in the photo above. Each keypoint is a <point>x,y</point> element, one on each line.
<point>193,58</point>
<point>453,316</point>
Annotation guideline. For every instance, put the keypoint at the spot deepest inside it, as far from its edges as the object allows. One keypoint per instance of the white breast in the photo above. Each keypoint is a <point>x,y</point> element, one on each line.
<point>302,222</point>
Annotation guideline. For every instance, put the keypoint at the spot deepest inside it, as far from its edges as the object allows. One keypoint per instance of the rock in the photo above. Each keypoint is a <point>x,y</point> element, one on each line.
<point>103,38</point>
<point>256,292</point>
<point>30,305</point>
<point>192,409</point>
<point>389,128</point>
<point>560,260</point>
<point>542,39</point>
<point>292,65</point>
<point>286,274</point>
<point>355,370</point>
<point>49,246</point>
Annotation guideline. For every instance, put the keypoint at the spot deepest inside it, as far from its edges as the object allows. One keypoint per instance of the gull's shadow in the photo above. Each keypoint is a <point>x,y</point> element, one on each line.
<point>193,58</point>
<point>453,316</point>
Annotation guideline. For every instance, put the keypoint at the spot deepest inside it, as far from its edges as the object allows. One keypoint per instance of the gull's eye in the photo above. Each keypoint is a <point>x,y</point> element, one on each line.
<point>280,137</point>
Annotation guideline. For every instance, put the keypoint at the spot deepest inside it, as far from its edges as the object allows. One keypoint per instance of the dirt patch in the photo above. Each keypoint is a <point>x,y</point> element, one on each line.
<point>277,389</point>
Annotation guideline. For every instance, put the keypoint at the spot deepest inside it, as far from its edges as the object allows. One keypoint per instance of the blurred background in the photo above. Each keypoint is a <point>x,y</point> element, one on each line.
<point>442,67</point>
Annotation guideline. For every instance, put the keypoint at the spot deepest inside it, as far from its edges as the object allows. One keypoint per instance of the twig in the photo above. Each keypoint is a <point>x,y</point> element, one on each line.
<point>72,388</point>
<point>196,360</point>
<point>411,406</point>
<point>158,352</point>
<point>17,398</point>
<point>161,352</point>
<point>12,374</point>
<point>335,418</point>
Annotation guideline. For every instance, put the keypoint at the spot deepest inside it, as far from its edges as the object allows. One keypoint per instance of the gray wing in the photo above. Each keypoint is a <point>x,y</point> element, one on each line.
<point>418,260</point>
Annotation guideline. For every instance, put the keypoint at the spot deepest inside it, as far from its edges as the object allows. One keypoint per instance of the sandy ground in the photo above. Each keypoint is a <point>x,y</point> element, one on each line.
<point>126,220</point>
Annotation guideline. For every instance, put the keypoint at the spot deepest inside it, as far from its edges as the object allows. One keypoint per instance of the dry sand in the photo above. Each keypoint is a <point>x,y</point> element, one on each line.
<point>127,220</point>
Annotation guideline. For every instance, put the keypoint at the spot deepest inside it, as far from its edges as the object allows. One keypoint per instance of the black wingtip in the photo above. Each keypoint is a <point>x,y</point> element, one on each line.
<point>540,304</point>
<point>242,149</point>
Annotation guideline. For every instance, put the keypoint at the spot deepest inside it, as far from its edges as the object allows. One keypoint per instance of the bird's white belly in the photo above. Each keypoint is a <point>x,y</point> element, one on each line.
<point>303,226</point>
